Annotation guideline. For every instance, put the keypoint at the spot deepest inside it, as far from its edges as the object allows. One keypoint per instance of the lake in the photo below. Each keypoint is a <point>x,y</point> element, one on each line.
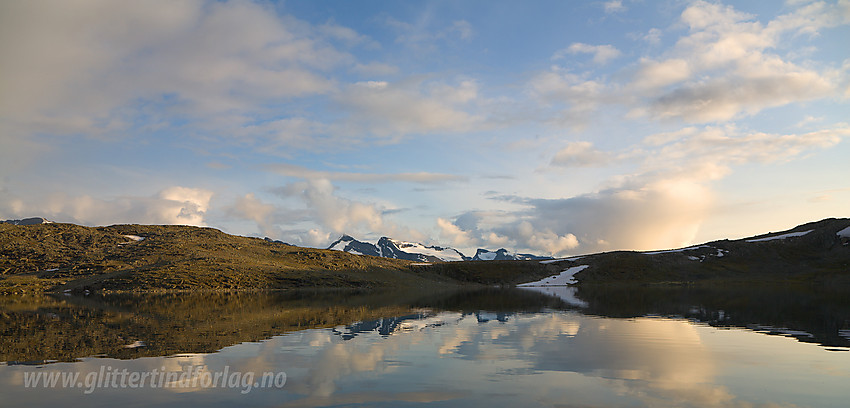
<point>570,347</point>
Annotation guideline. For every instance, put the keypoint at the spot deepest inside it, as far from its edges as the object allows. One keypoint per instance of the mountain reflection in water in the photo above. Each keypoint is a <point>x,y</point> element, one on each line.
<point>624,346</point>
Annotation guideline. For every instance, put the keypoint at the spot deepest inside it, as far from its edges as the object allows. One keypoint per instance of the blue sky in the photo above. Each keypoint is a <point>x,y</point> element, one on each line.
<point>551,127</point>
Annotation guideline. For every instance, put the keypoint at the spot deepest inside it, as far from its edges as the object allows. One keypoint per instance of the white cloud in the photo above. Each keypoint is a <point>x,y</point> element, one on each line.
<point>393,110</point>
<point>708,153</point>
<point>251,208</point>
<point>601,53</point>
<point>653,36</point>
<point>656,74</point>
<point>453,235</point>
<point>579,154</point>
<point>338,215</point>
<point>572,96</point>
<point>84,67</point>
<point>727,66</point>
<point>614,6</point>
<point>173,205</point>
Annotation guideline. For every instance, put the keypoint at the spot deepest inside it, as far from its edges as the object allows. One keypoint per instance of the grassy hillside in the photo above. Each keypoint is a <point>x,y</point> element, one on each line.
<point>820,256</point>
<point>58,257</point>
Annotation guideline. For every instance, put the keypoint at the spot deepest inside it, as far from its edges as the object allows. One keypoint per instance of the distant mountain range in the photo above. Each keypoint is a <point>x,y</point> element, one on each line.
<point>391,248</point>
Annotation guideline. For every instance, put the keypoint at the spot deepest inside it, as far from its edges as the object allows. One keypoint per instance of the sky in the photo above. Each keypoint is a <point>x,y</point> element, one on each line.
<point>550,127</point>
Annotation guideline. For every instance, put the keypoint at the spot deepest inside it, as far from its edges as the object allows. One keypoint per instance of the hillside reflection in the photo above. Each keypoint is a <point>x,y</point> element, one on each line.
<point>34,330</point>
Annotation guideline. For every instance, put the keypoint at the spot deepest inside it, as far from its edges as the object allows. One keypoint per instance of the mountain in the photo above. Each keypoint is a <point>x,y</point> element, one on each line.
<point>59,257</point>
<point>816,252</point>
<point>27,221</point>
<point>503,255</point>
<point>390,248</point>
<point>346,243</point>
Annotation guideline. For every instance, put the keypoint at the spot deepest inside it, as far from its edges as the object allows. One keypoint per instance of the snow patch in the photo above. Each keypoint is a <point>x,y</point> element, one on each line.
<point>573,259</point>
<point>134,237</point>
<point>136,344</point>
<point>845,233</point>
<point>486,256</point>
<point>415,325</point>
<point>783,236</point>
<point>445,254</point>
<point>340,246</point>
<point>562,279</point>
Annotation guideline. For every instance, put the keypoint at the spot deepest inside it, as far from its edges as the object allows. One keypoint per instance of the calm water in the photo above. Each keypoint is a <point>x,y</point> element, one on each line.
<point>622,347</point>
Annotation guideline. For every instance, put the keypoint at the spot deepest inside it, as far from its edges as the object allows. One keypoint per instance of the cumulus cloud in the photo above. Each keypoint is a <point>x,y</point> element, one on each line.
<point>613,6</point>
<point>653,36</point>
<point>727,66</point>
<point>393,110</point>
<point>336,215</point>
<point>724,99</point>
<point>173,205</point>
<point>579,154</point>
<point>59,78</point>
<point>601,53</point>
<point>710,152</point>
<point>573,96</point>
<point>657,74</point>
<point>454,235</point>
<point>663,214</point>
<point>251,208</point>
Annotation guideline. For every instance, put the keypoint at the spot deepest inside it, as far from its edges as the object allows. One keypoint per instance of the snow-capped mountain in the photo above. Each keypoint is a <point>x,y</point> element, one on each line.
<point>503,255</point>
<point>391,248</point>
<point>348,244</point>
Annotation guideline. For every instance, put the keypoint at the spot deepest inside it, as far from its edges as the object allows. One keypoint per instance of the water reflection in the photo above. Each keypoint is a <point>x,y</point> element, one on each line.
<point>484,348</point>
